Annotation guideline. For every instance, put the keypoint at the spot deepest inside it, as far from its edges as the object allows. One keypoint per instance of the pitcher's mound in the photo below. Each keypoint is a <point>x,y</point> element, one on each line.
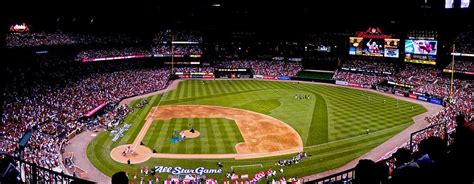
<point>190,134</point>
<point>139,155</point>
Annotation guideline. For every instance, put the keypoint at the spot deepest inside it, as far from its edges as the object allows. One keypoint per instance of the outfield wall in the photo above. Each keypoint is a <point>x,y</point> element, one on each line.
<point>413,95</point>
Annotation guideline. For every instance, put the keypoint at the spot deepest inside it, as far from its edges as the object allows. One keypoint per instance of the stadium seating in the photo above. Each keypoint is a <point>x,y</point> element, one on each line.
<point>53,110</point>
<point>264,67</point>
<point>464,42</point>
<point>39,39</point>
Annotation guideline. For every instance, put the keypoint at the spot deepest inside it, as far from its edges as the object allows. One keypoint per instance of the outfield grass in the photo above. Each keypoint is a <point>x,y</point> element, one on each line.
<point>332,122</point>
<point>217,136</point>
<point>315,75</point>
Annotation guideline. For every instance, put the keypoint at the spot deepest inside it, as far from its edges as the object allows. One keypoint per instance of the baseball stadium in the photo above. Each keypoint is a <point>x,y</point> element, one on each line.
<point>151,96</point>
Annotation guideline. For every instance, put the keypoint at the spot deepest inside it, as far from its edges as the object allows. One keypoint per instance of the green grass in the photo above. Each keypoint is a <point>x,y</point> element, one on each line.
<point>315,75</point>
<point>332,124</point>
<point>262,106</point>
<point>217,136</point>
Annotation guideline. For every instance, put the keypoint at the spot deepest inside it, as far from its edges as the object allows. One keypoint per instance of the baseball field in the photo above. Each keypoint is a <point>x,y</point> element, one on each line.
<point>333,125</point>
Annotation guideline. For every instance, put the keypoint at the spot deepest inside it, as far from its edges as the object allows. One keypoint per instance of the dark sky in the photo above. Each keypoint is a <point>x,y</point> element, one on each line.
<point>200,14</point>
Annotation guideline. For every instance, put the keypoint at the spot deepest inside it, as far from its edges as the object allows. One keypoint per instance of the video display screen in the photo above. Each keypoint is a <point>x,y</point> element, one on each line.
<point>374,47</point>
<point>391,48</point>
<point>323,48</point>
<point>421,51</point>
<point>421,59</point>
<point>355,47</point>
<point>425,47</point>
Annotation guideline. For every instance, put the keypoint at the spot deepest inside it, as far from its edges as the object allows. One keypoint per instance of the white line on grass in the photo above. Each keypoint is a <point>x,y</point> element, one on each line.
<point>356,136</point>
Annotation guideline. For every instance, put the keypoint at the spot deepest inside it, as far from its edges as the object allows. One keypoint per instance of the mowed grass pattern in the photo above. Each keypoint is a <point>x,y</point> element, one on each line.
<point>217,136</point>
<point>331,113</point>
<point>332,123</point>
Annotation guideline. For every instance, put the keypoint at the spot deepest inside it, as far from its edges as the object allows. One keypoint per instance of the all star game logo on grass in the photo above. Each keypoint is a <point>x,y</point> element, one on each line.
<point>180,170</point>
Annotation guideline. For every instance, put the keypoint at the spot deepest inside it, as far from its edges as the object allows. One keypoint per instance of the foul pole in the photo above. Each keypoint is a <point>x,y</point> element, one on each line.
<point>172,55</point>
<point>452,74</point>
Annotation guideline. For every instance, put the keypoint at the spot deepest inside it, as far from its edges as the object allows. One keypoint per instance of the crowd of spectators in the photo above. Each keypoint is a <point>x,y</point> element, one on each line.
<point>113,116</point>
<point>181,49</point>
<point>433,162</point>
<point>464,42</point>
<point>359,78</point>
<point>52,111</point>
<point>166,36</point>
<point>264,67</point>
<point>370,66</point>
<point>461,103</point>
<point>194,69</point>
<point>162,43</point>
<point>423,34</point>
<point>417,75</point>
<point>462,66</point>
<point>112,52</point>
<point>37,39</point>
<point>294,160</point>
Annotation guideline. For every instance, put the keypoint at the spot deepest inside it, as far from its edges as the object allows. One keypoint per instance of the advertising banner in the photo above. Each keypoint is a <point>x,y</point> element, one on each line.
<point>208,76</point>
<point>436,101</point>
<point>269,78</point>
<point>354,85</point>
<point>283,78</point>
<point>398,93</point>
<point>422,98</point>
<point>194,75</point>
<point>93,111</point>
<point>344,83</point>
<point>412,96</point>
<point>258,76</point>
<point>114,58</point>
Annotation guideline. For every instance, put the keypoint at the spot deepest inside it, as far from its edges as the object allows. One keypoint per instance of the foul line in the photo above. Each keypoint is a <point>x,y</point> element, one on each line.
<point>146,126</point>
<point>362,135</point>
<point>252,165</point>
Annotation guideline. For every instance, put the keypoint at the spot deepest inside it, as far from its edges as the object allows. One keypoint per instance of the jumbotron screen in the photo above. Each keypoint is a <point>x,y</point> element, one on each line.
<point>355,47</point>
<point>450,3</point>
<point>322,48</point>
<point>374,47</point>
<point>421,51</point>
<point>391,48</point>
<point>426,47</point>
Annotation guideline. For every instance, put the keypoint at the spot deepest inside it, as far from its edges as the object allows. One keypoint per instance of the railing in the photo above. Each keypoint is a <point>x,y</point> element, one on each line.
<point>437,130</point>
<point>344,177</point>
<point>348,176</point>
<point>20,171</point>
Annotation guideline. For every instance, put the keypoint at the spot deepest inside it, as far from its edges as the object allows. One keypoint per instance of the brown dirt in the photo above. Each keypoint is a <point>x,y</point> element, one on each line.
<point>140,154</point>
<point>263,135</point>
<point>190,135</point>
